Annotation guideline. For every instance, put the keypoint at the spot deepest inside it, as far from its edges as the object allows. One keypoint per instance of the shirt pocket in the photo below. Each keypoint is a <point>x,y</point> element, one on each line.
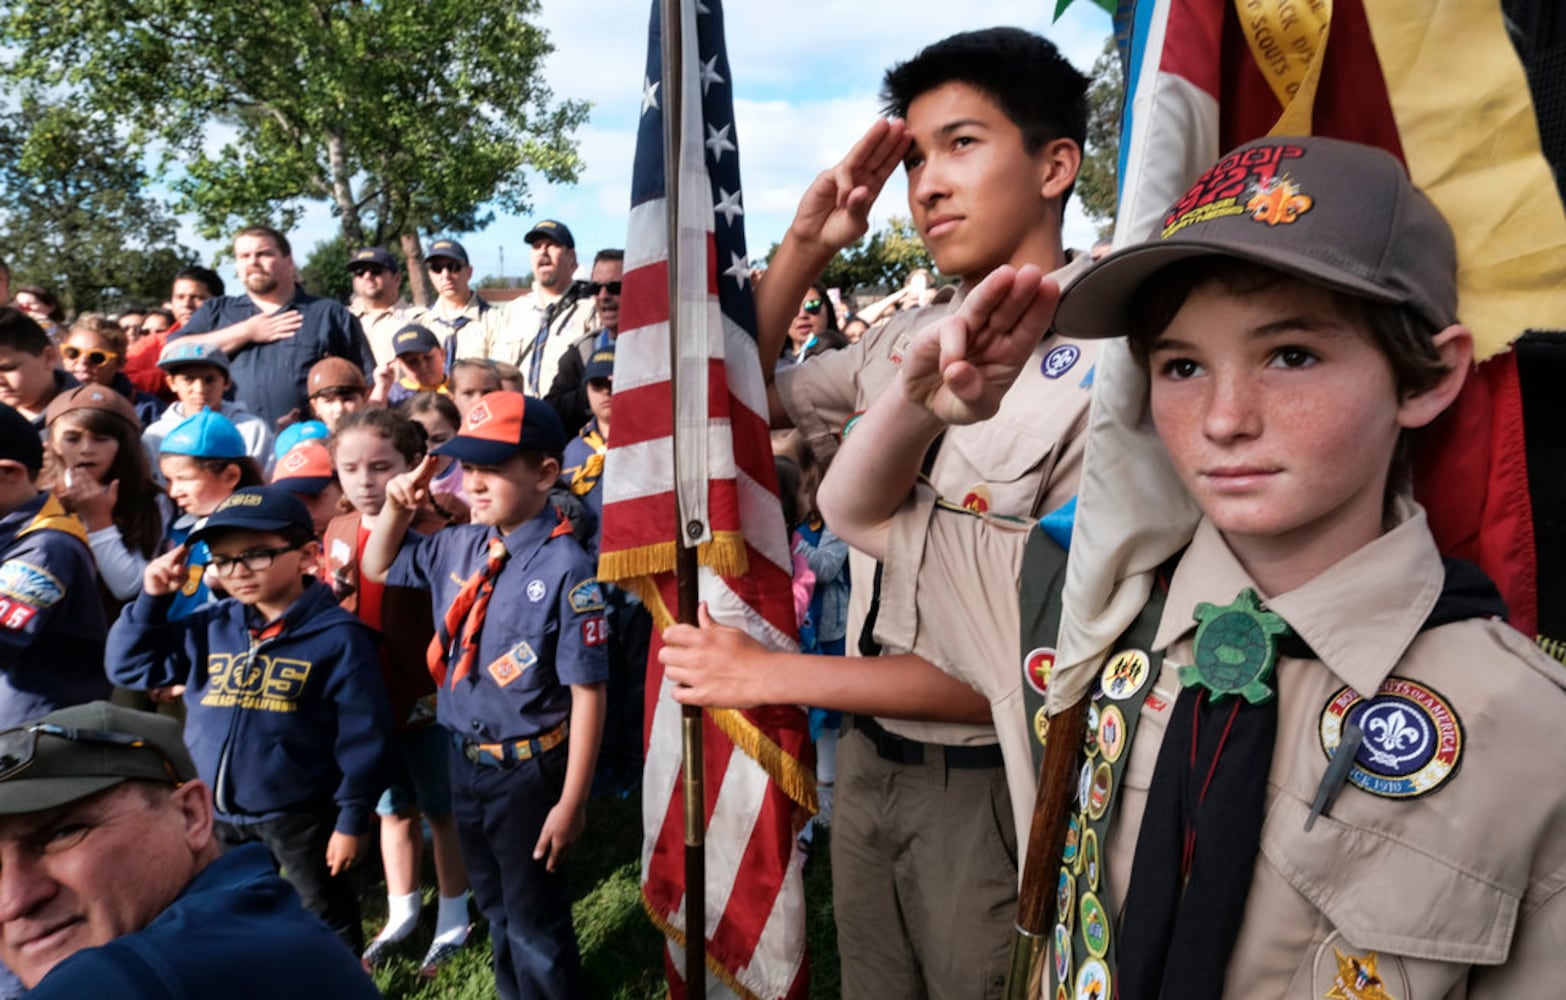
<point>1001,473</point>
<point>1388,896</point>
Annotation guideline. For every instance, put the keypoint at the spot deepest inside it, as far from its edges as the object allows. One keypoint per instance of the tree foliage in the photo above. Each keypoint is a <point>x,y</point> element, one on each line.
<point>1098,180</point>
<point>402,114</point>
<point>883,259</point>
<point>73,213</point>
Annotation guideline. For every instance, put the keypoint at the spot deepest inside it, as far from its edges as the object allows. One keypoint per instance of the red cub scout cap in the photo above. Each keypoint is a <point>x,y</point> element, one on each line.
<point>502,424</point>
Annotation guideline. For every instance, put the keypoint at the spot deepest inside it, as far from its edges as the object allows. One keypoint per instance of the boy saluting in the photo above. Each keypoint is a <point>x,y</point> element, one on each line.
<point>522,688</point>
<point>1299,776</point>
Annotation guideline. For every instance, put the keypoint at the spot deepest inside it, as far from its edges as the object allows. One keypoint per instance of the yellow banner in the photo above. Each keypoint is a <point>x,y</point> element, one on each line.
<point>1288,40</point>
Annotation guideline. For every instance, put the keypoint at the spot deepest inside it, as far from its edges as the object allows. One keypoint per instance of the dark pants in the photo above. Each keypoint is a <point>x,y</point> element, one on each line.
<point>500,812</point>
<point>298,845</point>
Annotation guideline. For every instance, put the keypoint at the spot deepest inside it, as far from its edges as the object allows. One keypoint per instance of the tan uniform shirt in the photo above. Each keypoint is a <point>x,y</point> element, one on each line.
<point>511,328</point>
<point>381,325</point>
<point>443,319</point>
<point>1457,892</point>
<point>1024,460</point>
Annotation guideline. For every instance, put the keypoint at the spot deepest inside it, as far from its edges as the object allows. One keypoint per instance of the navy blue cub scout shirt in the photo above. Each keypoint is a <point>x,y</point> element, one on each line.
<point>544,630</point>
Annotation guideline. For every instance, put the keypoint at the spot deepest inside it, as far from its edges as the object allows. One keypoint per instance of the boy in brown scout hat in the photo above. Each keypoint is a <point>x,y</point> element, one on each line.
<point>1293,780</point>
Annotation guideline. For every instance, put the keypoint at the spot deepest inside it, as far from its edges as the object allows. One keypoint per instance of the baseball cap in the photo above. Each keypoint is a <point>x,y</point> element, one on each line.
<point>414,339</point>
<point>600,365</point>
<point>372,255</point>
<point>446,248</point>
<point>306,468</point>
<point>183,352</point>
<point>19,441</point>
<point>334,373</point>
<point>98,746</point>
<point>92,397</point>
<point>503,423</point>
<point>1334,213</point>
<point>256,508</point>
<point>207,434</point>
<point>556,231</point>
<point>297,433</point>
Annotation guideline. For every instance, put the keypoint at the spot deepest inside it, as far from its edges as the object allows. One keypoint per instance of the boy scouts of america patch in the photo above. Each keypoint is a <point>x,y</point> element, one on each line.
<point>1413,740</point>
<point>1357,979</point>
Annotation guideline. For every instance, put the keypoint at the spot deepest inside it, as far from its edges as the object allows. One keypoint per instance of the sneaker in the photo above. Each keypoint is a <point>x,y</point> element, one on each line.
<point>439,952</point>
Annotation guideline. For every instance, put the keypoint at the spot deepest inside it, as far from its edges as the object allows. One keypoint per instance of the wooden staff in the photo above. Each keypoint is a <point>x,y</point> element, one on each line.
<point>1046,837</point>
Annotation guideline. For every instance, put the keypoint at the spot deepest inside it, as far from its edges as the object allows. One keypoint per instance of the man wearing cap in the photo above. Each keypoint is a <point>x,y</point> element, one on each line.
<point>377,287</point>
<point>51,620</point>
<point>534,332</point>
<point>197,375</point>
<point>420,366</point>
<point>568,391</point>
<point>275,331</point>
<point>134,897</point>
<point>457,316</point>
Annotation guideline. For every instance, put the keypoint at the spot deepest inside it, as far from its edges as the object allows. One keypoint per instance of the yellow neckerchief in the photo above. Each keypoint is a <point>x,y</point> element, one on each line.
<point>53,517</point>
<point>585,476</point>
<point>443,388</point>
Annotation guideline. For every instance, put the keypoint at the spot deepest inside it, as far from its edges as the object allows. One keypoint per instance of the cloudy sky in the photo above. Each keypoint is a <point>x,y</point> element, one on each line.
<point>806,74</point>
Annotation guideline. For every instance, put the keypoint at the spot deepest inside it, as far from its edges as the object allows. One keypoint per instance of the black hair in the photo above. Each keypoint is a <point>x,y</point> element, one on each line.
<point>432,402</point>
<point>20,332</point>
<point>294,535</point>
<point>610,254</point>
<point>406,435</point>
<point>160,311</point>
<point>1025,75</point>
<point>202,275</point>
<point>48,298</point>
<point>267,233</point>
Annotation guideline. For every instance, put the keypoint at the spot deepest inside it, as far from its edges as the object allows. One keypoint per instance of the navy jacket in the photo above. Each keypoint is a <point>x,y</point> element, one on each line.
<point>270,378</point>
<point>237,931</point>
<point>278,724</point>
<point>544,631</point>
<point>51,619</point>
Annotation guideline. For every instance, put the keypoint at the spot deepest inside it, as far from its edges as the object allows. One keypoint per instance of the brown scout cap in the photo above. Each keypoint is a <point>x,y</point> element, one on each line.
<point>1334,213</point>
<point>92,397</point>
<point>335,373</point>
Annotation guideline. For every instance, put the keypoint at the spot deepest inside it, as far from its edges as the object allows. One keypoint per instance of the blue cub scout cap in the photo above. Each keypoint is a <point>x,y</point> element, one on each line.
<point>297,434</point>
<point>183,352</point>
<point>600,365</point>
<point>256,508</point>
<point>552,229</point>
<point>372,255</point>
<point>414,339</point>
<point>446,248</point>
<point>205,435</point>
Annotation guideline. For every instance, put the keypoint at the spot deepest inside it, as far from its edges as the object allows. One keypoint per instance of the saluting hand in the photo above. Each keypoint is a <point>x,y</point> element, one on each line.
<point>167,573</point>
<point>961,367</point>
<point>412,488</point>
<point>709,664</point>
<point>835,209</point>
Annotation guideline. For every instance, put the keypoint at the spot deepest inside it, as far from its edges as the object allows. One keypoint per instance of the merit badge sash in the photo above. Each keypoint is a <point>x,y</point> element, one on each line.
<point>1083,946</point>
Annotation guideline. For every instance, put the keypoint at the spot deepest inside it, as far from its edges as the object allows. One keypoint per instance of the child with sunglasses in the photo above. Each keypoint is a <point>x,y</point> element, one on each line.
<point>287,716</point>
<point>94,353</point>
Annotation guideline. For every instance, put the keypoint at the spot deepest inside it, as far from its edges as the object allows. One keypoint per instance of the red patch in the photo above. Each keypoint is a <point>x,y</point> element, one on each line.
<point>1155,703</point>
<point>595,631</point>
<point>15,614</point>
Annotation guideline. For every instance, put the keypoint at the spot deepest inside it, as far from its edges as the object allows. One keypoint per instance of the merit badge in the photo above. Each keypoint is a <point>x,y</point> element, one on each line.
<point>1413,740</point>
<point>1112,733</point>
<point>1093,981</point>
<point>1062,954</point>
<point>1124,674</point>
<point>535,590</point>
<point>1357,979</point>
<point>1084,785</point>
<point>1098,794</point>
<point>1236,649</point>
<point>1090,858</point>
<point>1059,360</point>
<point>977,499</point>
<point>1095,925</point>
<point>585,596</point>
<point>1041,725</point>
<point>1090,732</point>
<point>1036,667</point>
<point>1068,853</point>
<point>1065,896</point>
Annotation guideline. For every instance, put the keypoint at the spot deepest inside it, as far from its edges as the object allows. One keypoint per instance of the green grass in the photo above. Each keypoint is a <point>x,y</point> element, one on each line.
<point>622,953</point>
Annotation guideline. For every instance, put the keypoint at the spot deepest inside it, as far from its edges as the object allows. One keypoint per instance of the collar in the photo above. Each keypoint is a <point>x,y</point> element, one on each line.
<point>443,386</point>
<point>300,298</point>
<point>1359,616</point>
<point>373,314</point>
<point>42,513</point>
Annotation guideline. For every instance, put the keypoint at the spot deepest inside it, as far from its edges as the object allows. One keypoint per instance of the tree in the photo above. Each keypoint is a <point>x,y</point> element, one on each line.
<point>73,213</point>
<point>1098,180</point>
<point>402,114</point>
<point>883,259</point>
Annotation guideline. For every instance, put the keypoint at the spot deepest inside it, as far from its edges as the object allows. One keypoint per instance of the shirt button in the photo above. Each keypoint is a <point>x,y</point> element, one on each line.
<point>474,724</point>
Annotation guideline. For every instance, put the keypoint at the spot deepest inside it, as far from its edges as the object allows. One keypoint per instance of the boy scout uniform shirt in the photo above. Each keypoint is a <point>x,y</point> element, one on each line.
<point>511,329</point>
<point>1025,460</point>
<point>1454,892</point>
<point>544,629</point>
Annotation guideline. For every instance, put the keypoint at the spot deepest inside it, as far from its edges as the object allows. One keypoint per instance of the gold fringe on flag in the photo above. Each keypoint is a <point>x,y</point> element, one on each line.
<point>676,935</point>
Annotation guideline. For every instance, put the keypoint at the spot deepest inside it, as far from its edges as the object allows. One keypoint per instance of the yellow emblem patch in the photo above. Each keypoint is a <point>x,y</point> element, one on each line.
<point>1357,979</point>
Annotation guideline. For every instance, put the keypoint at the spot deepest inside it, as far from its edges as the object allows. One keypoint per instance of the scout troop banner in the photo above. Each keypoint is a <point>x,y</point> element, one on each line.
<point>1438,84</point>
<point>757,768</point>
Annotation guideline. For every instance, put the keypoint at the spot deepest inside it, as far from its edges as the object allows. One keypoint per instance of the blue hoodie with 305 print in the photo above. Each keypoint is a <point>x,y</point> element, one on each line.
<point>280,715</point>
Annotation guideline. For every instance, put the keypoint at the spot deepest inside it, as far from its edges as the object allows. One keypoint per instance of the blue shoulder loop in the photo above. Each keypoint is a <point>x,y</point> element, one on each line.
<point>1057,523</point>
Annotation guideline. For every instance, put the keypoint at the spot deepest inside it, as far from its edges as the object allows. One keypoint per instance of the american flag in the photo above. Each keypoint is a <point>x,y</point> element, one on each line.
<point>758,764</point>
